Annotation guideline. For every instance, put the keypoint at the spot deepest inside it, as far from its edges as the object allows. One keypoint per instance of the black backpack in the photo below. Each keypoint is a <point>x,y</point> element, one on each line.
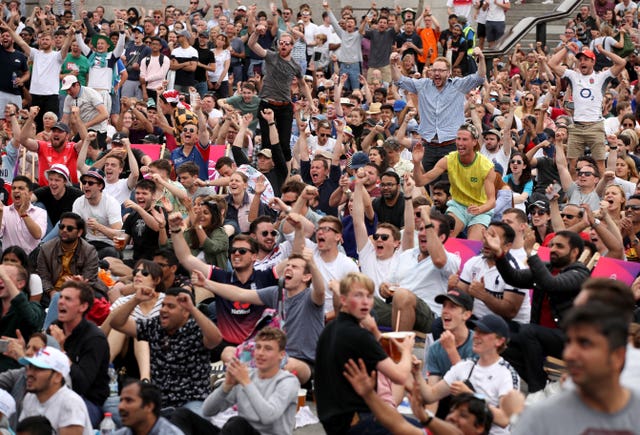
<point>147,60</point>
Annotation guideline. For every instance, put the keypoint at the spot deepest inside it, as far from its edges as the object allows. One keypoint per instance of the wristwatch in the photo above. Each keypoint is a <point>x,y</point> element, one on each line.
<point>430,416</point>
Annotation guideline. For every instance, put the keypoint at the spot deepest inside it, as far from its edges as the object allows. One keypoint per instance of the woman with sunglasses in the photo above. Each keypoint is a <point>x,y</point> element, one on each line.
<point>527,106</point>
<point>519,179</point>
<point>206,236</point>
<point>17,255</point>
<point>146,275</point>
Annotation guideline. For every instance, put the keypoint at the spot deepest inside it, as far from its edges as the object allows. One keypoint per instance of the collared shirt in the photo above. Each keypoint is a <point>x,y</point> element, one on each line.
<point>441,111</point>
<point>14,231</point>
<point>161,427</point>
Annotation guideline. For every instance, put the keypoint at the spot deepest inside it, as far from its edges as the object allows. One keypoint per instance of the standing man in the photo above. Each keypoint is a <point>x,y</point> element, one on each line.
<point>588,91</point>
<point>265,397</point>
<point>85,346</point>
<point>23,224</point>
<point>206,62</point>
<point>91,108</point>
<point>276,88</point>
<point>350,54</point>
<point>496,16</point>
<point>134,53</point>
<point>473,193</point>
<point>153,70</point>
<point>441,104</point>
<point>184,61</point>
<point>595,352</point>
<point>14,74</point>
<point>46,70</point>
<point>382,40</point>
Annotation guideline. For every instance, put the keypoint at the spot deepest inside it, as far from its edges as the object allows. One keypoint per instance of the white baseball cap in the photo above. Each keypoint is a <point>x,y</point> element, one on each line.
<point>49,358</point>
<point>68,81</point>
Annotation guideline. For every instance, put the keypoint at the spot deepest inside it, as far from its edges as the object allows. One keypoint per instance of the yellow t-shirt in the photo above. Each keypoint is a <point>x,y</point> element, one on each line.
<point>467,181</point>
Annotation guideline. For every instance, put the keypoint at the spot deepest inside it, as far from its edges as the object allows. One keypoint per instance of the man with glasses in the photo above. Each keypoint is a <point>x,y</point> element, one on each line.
<point>189,152</point>
<point>440,103</point>
<point>630,228</point>
<point>276,87</point>
<point>588,92</point>
<point>583,190</point>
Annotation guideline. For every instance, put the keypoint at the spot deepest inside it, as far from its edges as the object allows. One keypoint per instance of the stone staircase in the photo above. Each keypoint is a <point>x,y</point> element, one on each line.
<point>535,8</point>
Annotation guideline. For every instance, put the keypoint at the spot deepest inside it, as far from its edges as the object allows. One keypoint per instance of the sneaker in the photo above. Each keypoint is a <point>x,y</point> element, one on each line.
<point>547,2</point>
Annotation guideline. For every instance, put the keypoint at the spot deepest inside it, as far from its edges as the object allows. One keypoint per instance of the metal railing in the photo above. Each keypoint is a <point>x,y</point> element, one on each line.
<point>566,9</point>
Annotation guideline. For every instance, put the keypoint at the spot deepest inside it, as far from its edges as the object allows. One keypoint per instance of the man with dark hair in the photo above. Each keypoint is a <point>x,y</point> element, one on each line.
<point>172,273</point>
<point>265,397</point>
<point>270,252</point>
<point>139,409</point>
<point>180,340</point>
<point>389,207</point>
<point>22,223</point>
<point>555,285</point>
<point>35,425</point>
<point>85,345</point>
<point>595,351</point>
<point>440,195</point>
<point>481,279</point>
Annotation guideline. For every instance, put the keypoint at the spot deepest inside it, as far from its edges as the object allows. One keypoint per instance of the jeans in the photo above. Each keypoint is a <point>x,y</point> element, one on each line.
<point>52,312</point>
<point>256,64</point>
<point>201,87</point>
<point>95,413</point>
<point>283,117</point>
<point>352,70</point>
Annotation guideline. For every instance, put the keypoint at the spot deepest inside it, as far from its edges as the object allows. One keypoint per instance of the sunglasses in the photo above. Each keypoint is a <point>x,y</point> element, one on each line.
<point>284,43</point>
<point>69,228</point>
<point>567,215</point>
<point>273,233</point>
<point>324,135</point>
<point>325,229</point>
<point>90,183</point>
<point>142,271</point>
<point>586,174</point>
<point>516,162</point>
<point>632,207</point>
<point>240,251</point>
<point>384,237</point>
<point>539,212</point>
<point>289,203</point>
<point>189,130</point>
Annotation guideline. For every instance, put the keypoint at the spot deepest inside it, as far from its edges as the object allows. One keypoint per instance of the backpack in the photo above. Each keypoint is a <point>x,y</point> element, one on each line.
<point>628,47</point>
<point>147,60</point>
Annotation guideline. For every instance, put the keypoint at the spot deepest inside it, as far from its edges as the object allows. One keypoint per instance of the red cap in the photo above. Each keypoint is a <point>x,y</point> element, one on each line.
<point>586,52</point>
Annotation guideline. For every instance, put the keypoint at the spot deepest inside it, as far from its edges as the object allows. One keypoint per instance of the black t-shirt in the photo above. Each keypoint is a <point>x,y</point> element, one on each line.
<point>205,57</point>
<point>145,240</point>
<point>15,62</point>
<point>341,340</point>
<point>547,174</point>
<point>55,207</point>
<point>402,37</point>
<point>393,215</point>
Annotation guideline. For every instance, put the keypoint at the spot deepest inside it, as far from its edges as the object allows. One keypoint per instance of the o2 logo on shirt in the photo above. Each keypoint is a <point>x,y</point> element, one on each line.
<point>474,179</point>
<point>586,94</point>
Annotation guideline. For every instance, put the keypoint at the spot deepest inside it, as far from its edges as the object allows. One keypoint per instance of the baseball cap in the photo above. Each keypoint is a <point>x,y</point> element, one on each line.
<point>492,131</point>
<point>151,138</point>
<point>541,204</point>
<point>61,126</point>
<point>358,160</point>
<point>491,323</point>
<point>586,52</point>
<point>241,8</point>
<point>118,137</point>
<point>49,358</point>
<point>505,99</point>
<point>138,29</point>
<point>265,152</point>
<point>185,33</point>
<point>68,81</point>
<point>399,105</point>
<point>465,300</point>
<point>345,101</point>
<point>96,173</point>
<point>59,169</point>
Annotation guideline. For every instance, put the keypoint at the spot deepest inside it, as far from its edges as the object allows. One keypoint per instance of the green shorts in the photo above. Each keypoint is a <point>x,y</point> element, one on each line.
<point>424,315</point>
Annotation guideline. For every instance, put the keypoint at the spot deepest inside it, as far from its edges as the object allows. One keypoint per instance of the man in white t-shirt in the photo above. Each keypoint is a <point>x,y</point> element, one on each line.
<point>488,374</point>
<point>481,279</point>
<point>588,91</point>
<point>496,16</point>
<point>48,395</point>
<point>496,149</point>
<point>100,211</point>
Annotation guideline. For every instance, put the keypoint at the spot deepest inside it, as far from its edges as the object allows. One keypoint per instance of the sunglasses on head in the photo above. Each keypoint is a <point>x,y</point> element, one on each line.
<point>384,237</point>
<point>240,251</point>
<point>142,271</point>
<point>273,233</point>
<point>67,227</point>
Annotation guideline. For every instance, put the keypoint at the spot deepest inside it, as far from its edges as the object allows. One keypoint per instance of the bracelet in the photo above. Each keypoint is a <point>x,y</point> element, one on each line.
<point>175,231</point>
<point>272,123</point>
<point>24,216</point>
<point>408,198</point>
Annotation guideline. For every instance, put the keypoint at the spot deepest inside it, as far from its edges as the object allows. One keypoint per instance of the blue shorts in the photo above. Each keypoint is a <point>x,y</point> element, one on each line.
<point>468,219</point>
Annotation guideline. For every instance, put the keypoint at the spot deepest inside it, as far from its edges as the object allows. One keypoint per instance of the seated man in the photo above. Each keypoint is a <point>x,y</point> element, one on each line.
<point>23,224</point>
<point>266,397</point>
<point>139,409</point>
<point>488,374</point>
<point>180,340</point>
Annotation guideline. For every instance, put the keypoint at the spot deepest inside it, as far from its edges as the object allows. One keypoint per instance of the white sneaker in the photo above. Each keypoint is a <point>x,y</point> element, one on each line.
<point>547,2</point>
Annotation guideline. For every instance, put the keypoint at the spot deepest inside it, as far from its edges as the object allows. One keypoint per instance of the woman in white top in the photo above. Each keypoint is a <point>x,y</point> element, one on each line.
<point>146,274</point>
<point>218,80</point>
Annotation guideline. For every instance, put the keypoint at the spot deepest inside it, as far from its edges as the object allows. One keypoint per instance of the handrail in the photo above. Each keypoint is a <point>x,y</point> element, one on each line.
<point>566,9</point>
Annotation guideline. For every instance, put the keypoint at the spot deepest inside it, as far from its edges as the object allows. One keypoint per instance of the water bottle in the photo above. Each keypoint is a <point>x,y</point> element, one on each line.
<point>113,381</point>
<point>14,76</point>
<point>107,426</point>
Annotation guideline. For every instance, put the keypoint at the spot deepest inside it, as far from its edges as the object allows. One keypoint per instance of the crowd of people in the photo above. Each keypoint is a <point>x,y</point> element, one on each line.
<point>267,190</point>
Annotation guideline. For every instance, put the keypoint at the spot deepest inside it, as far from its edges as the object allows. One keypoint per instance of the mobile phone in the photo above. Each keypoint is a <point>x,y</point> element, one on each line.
<point>4,345</point>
